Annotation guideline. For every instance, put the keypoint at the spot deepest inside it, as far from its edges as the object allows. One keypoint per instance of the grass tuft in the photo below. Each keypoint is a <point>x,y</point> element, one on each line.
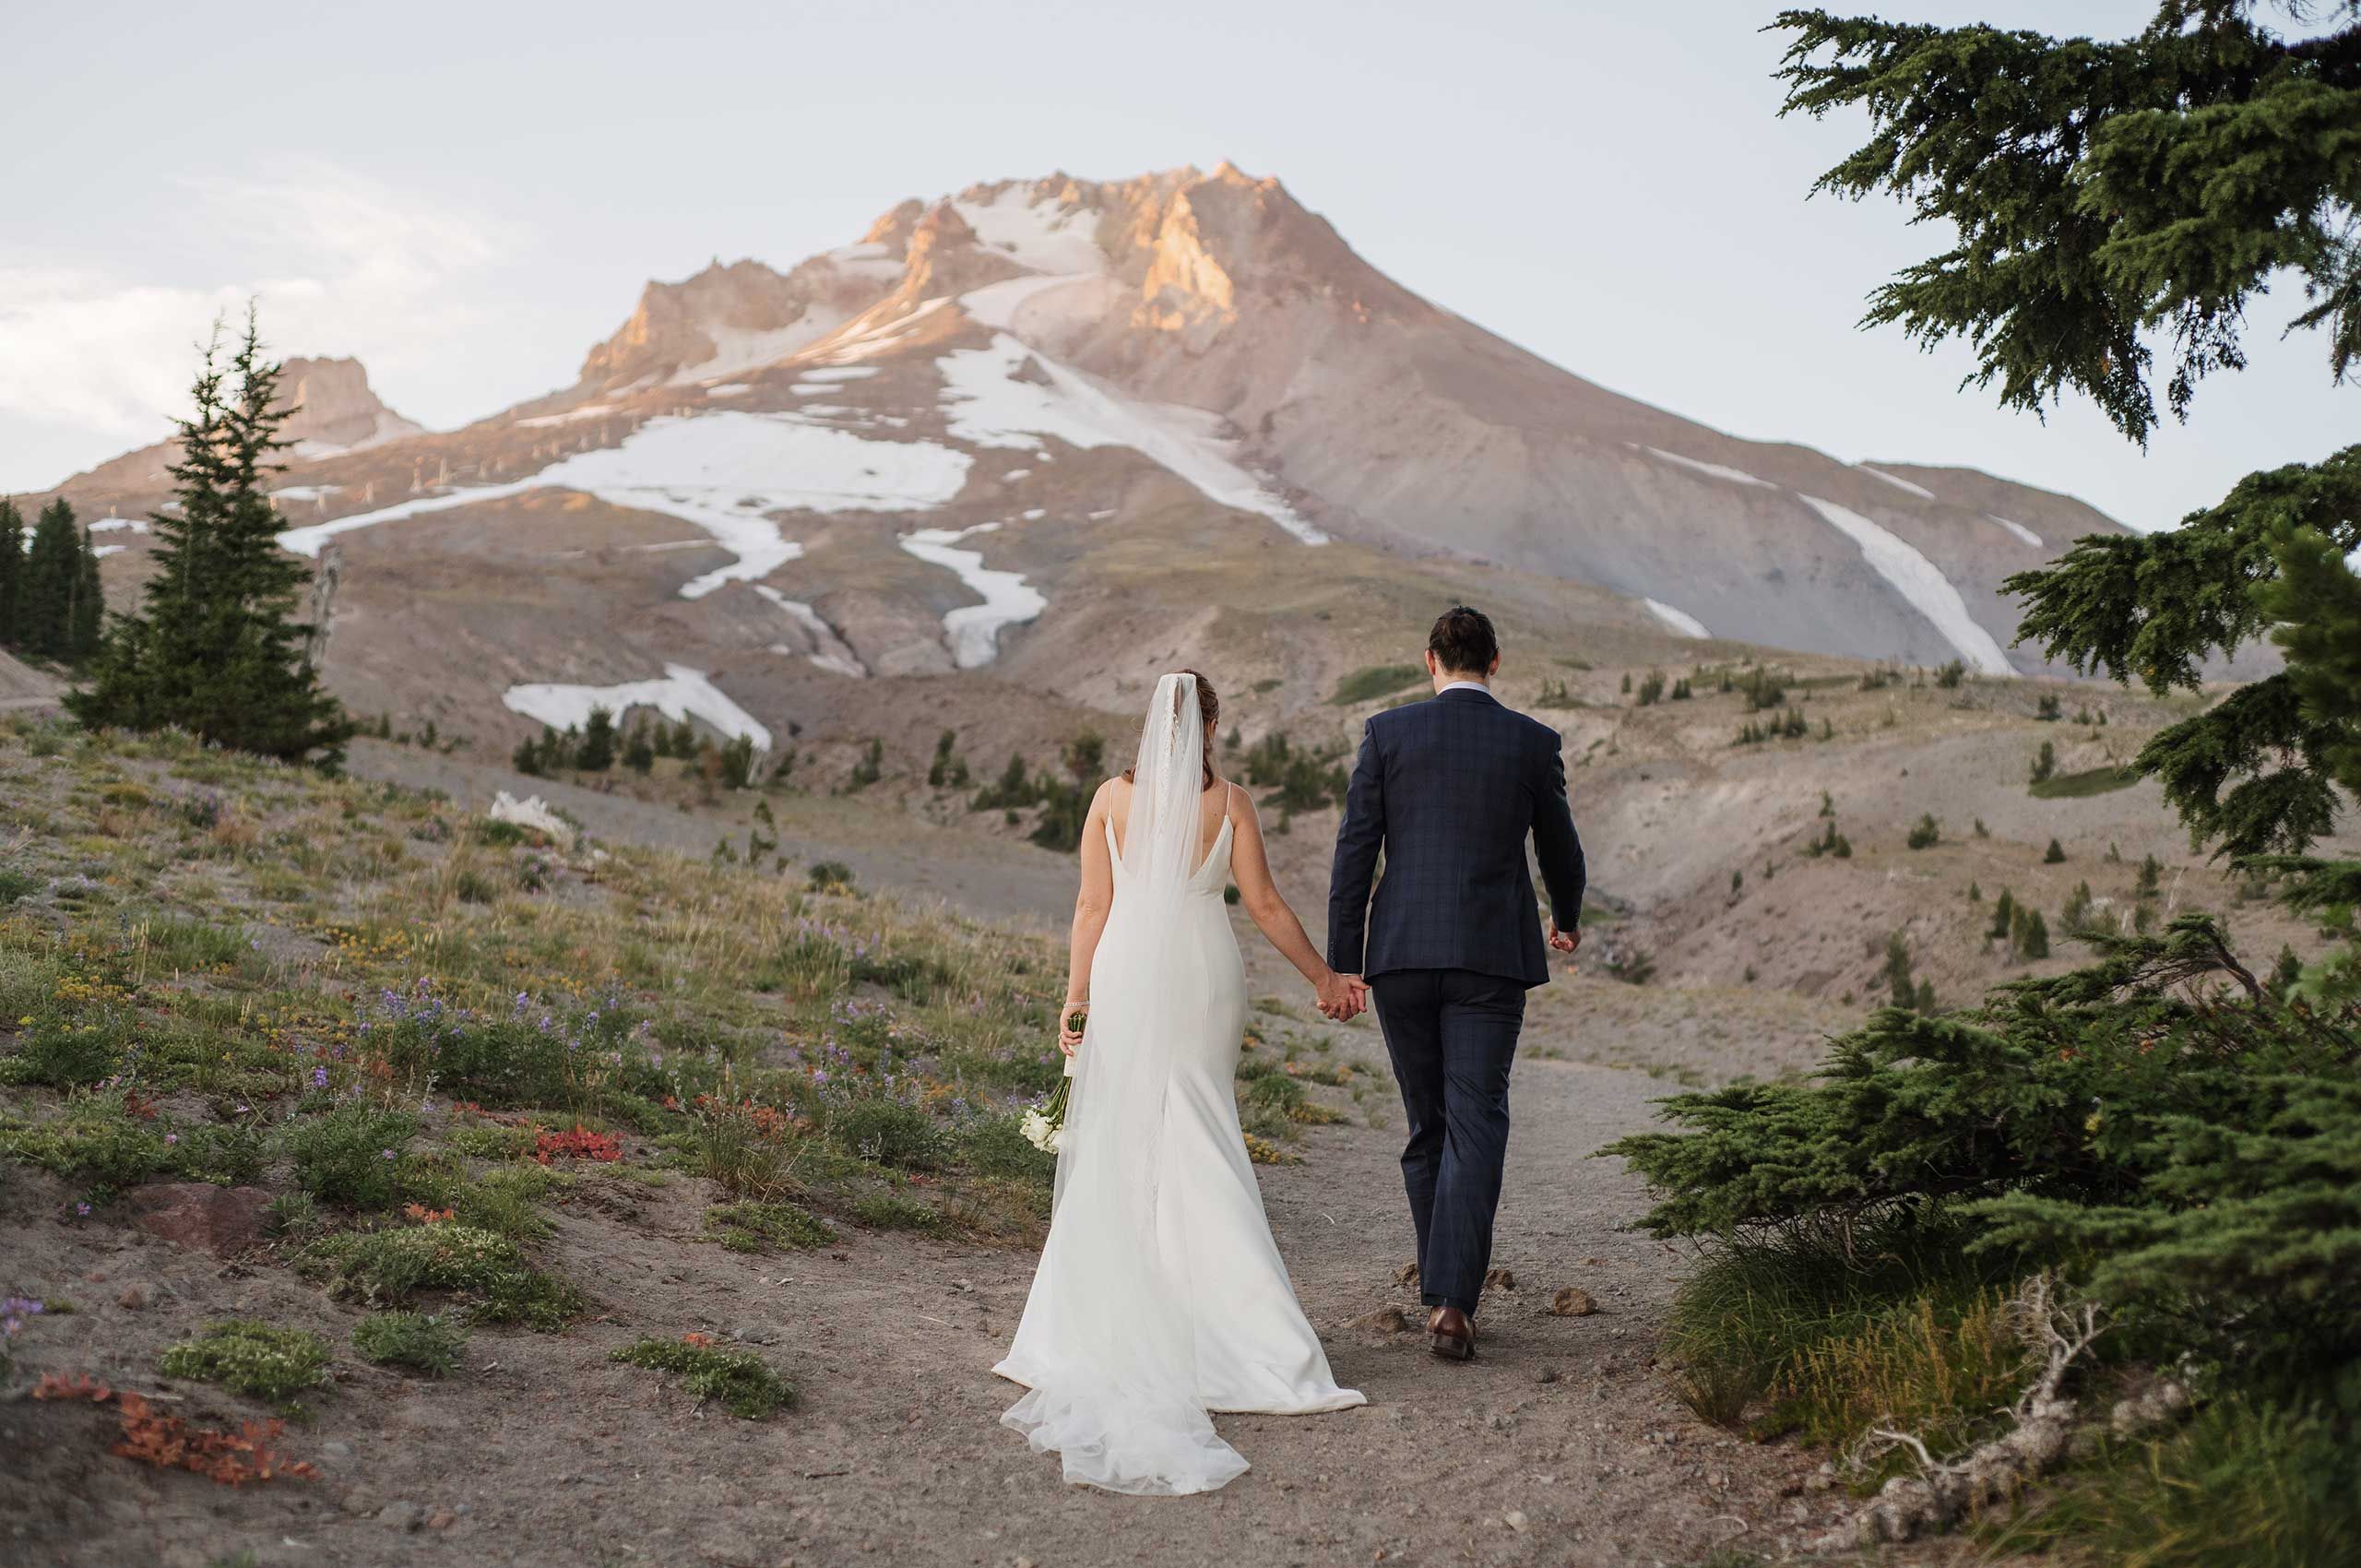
<point>741,1382</point>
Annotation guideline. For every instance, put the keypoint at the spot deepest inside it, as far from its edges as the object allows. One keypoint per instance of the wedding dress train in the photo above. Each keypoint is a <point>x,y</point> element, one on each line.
<point>1160,1295</point>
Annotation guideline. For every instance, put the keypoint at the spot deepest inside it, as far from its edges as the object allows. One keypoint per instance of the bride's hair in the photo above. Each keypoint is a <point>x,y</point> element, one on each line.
<point>1208,709</point>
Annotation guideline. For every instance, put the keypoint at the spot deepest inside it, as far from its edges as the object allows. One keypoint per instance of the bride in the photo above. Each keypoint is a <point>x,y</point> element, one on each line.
<point>1160,1295</point>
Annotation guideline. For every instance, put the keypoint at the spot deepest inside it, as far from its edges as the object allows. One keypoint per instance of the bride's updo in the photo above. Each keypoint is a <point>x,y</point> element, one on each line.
<point>1208,709</point>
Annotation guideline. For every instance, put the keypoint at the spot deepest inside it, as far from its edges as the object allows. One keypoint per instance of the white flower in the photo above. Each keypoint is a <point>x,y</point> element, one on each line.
<point>1057,1144</point>
<point>1036,1129</point>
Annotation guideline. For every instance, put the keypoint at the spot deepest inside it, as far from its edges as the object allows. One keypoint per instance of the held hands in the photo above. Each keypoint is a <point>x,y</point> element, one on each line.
<point>1563,941</point>
<point>1342,997</point>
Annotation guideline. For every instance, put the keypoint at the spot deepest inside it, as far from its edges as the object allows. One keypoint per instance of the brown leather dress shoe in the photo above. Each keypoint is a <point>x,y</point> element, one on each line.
<point>1450,1335</point>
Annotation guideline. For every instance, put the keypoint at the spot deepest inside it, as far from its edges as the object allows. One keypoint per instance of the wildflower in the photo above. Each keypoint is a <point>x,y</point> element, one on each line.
<point>387,1152</point>
<point>171,1138</point>
<point>319,1077</point>
<point>82,1210</point>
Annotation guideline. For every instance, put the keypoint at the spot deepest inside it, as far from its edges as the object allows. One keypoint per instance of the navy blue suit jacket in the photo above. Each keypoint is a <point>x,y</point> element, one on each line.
<point>1448,790</point>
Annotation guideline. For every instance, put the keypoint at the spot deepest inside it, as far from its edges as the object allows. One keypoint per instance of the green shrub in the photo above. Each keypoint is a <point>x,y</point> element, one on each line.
<point>2092,781</point>
<point>350,1155</point>
<point>392,1267</point>
<point>64,1052</point>
<point>831,876</point>
<point>16,885</point>
<point>227,1154</point>
<point>890,1133</point>
<point>275,1364</point>
<point>767,1227</point>
<point>422,1342</point>
<point>893,1211</point>
<point>1373,681</point>
<point>92,1140</point>
<point>191,943</point>
<point>1925,834</point>
<point>991,1145</point>
<point>742,1383</point>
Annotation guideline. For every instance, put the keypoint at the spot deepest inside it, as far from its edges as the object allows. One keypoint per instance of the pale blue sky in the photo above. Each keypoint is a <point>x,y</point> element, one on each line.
<point>469,195</point>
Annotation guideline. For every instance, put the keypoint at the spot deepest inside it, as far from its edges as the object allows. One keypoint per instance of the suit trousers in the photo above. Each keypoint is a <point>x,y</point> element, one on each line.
<point>1452,1034</point>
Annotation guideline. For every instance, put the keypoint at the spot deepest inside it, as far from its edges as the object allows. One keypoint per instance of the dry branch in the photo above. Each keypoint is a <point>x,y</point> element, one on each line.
<point>1994,1472</point>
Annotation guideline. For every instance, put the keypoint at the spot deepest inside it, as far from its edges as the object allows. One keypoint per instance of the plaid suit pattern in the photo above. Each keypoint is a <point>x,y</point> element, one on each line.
<point>1448,791</point>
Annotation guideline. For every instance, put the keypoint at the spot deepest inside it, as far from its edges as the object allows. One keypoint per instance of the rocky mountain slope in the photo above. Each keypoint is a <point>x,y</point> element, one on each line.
<point>996,432</point>
<point>332,410</point>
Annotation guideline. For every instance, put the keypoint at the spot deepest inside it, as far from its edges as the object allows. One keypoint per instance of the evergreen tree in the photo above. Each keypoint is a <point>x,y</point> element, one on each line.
<point>596,753</point>
<point>216,647</point>
<point>2176,1136</point>
<point>52,574</point>
<point>87,617</point>
<point>12,571</point>
<point>639,752</point>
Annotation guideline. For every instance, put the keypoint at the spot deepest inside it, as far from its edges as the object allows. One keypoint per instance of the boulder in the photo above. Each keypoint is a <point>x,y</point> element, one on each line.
<point>223,1220</point>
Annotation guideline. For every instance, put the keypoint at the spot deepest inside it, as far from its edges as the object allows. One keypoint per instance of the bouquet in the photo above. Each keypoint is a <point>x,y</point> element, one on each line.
<point>1044,1125</point>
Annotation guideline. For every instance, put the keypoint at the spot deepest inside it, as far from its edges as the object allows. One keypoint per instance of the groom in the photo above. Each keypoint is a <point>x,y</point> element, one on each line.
<point>1448,790</point>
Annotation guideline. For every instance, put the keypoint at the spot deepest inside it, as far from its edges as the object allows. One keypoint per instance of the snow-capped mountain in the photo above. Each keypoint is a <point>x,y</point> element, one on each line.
<point>921,452</point>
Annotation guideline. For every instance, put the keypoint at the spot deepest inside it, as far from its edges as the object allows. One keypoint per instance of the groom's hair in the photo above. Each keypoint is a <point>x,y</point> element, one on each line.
<point>1463,641</point>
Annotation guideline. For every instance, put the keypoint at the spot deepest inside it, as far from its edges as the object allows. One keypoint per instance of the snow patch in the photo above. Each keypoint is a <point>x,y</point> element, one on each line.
<point>871,258</point>
<point>587,412</point>
<point>996,305</point>
<point>139,525</point>
<point>987,405</point>
<point>1736,476</point>
<point>681,694</point>
<point>737,350</point>
<point>2021,532</point>
<point>721,472</point>
<point>1036,233</point>
<point>838,372</point>
<point>531,812</point>
<point>285,492</point>
<point>100,551</point>
<point>878,337</point>
<point>973,630</point>
<point>1921,582</point>
<point>1680,621</point>
<point>1920,490</point>
<point>729,389</point>
<point>834,654</point>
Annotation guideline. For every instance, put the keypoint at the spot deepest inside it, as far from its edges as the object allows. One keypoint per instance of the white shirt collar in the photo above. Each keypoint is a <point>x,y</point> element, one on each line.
<point>1465,686</point>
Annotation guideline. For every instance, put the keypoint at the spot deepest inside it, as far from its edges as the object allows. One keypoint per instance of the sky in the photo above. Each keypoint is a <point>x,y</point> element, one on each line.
<point>467,196</point>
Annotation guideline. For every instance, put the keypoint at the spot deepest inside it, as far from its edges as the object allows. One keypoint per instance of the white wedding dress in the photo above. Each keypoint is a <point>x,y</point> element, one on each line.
<point>1160,1295</point>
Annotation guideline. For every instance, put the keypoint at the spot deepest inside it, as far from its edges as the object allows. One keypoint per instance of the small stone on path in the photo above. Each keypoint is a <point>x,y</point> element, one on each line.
<point>1572,1301</point>
<point>1386,1319</point>
<point>1406,1275</point>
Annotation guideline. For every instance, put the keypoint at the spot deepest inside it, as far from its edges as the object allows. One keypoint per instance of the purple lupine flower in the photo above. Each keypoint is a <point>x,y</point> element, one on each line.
<point>386,1153</point>
<point>319,1077</point>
